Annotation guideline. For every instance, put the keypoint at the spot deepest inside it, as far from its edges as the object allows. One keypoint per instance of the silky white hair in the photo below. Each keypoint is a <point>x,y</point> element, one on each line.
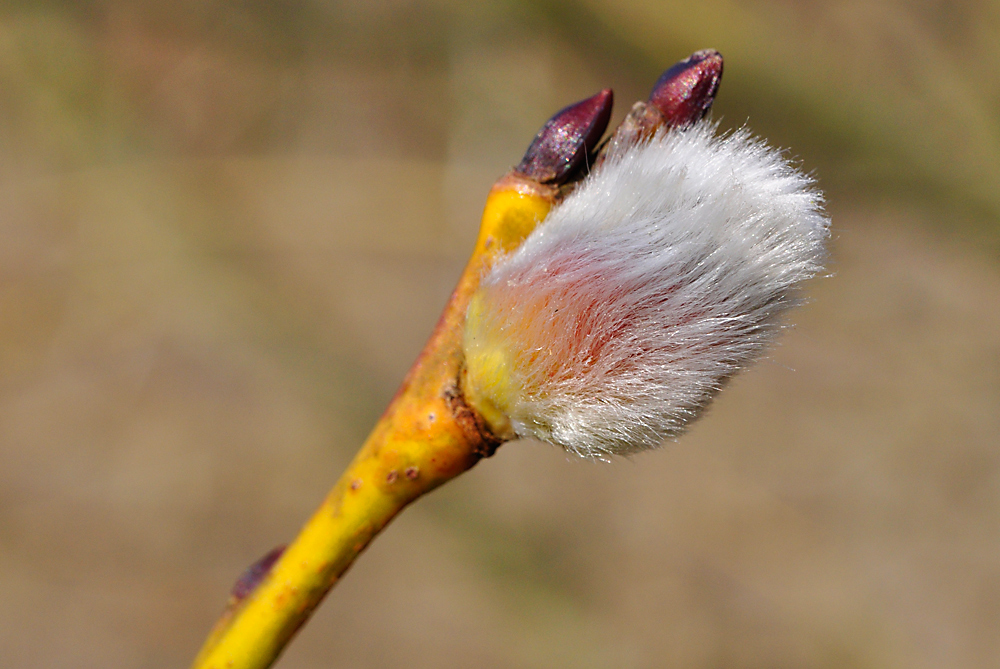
<point>666,272</point>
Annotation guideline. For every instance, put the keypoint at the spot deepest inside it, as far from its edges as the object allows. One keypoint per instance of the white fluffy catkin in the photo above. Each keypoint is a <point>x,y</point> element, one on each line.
<point>666,272</point>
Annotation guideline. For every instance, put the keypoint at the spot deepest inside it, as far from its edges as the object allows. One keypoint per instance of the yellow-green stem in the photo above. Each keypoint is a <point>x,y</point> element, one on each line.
<point>427,436</point>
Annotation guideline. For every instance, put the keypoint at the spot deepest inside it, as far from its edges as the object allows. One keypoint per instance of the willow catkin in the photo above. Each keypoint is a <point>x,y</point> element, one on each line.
<point>663,274</point>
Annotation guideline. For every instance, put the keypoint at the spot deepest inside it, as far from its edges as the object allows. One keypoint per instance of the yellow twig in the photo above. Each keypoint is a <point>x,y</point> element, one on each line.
<point>427,436</point>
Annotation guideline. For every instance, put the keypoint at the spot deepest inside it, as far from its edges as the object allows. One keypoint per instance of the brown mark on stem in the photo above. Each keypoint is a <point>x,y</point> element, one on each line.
<point>484,443</point>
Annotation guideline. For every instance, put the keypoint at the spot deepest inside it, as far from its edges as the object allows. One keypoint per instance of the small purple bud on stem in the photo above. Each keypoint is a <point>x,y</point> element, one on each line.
<point>254,574</point>
<point>685,92</point>
<point>564,143</point>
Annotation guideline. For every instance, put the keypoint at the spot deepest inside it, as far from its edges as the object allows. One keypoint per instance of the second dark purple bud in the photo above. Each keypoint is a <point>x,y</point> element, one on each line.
<point>565,143</point>
<point>685,92</point>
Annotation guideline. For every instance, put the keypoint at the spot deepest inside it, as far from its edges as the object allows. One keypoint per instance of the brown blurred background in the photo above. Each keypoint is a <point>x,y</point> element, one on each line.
<point>226,229</point>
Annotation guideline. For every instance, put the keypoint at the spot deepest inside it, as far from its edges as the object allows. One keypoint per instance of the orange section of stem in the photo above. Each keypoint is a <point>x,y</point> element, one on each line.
<point>427,436</point>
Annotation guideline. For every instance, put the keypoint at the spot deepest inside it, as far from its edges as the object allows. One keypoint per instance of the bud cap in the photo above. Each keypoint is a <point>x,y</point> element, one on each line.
<point>686,91</point>
<point>561,148</point>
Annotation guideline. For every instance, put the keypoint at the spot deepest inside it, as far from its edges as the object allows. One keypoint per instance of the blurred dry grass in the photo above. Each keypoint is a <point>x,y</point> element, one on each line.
<point>227,229</point>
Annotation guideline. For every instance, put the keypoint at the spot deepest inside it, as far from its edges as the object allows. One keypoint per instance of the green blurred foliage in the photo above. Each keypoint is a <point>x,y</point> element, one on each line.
<point>889,99</point>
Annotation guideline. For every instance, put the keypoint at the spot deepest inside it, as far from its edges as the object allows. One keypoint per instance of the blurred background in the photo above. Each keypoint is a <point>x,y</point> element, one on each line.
<point>226,229</point>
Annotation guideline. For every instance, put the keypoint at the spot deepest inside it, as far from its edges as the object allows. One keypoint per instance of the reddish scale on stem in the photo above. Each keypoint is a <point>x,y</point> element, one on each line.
<point>562,146</point>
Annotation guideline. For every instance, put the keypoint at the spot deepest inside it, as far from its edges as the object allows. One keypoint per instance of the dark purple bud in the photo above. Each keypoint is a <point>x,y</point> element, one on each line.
<point>685,92</point>
<point>564,143</point>
<point>255,573</point>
